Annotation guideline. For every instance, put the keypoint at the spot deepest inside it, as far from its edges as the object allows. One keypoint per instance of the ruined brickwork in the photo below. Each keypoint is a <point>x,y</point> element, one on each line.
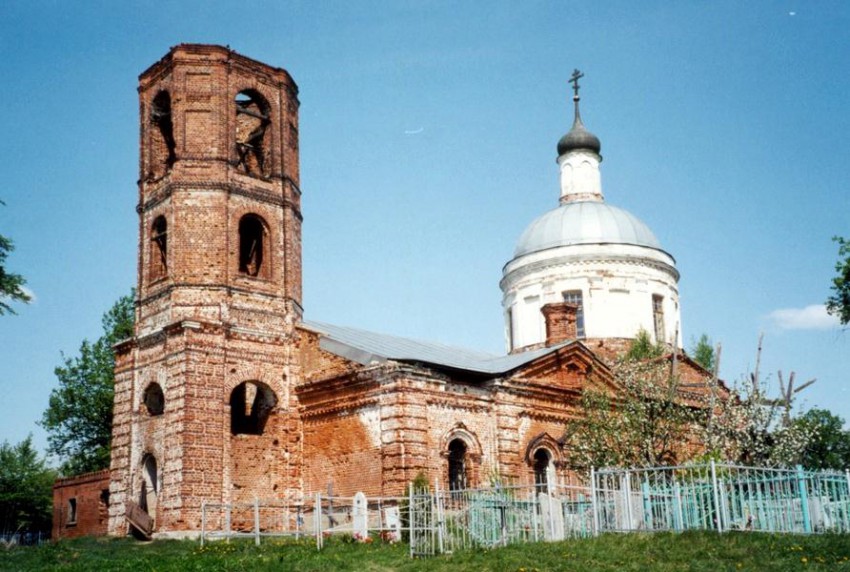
<point>81,505</point>
<point>376,429</point>
<point>219,290</point>
<point>225,395</point>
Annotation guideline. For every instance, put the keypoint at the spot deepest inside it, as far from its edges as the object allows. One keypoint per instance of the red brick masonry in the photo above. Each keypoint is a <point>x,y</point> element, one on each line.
<point>81,505</point>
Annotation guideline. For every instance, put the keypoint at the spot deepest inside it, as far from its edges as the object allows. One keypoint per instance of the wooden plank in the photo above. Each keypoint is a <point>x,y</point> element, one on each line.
<point>140,519</point>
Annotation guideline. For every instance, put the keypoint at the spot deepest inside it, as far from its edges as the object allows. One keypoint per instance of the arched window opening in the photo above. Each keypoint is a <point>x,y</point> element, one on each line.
<point>72,511</point>
<point>159,248</point>
<point>457,465</point>
<point>150,485</point>
<point>251,403</point>
<point>154,399</point>
<point>163,155</point>
<point>252,232</point>
<point>252,134</point>
<point>542,463</point>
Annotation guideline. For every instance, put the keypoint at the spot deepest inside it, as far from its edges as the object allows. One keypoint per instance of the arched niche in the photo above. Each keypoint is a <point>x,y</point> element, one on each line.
<point>251,404</point>
<point>253,243</point>
<point>153,399</point>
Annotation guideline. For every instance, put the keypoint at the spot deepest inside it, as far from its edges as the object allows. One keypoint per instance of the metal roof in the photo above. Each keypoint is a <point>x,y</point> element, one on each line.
<point>584,222</point>
<point>366,347</point>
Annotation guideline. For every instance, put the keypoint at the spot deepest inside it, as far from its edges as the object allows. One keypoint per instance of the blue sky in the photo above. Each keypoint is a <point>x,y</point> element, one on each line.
<point>428,134</point>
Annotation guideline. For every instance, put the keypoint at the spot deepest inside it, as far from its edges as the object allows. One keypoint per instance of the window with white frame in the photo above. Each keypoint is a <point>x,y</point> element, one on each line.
<point>658,316</point>
<point>574,297</point>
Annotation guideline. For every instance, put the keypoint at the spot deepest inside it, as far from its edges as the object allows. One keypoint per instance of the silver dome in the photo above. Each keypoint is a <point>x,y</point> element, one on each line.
<point>585,222</point>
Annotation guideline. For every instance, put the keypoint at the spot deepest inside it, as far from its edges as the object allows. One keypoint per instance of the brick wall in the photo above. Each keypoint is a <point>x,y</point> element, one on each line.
<point>205,326</point>
<point>221,148</point>
<point>81,505</point>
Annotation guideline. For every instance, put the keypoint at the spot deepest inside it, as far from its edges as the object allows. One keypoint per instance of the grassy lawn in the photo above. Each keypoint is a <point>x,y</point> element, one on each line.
<point>663,552</point>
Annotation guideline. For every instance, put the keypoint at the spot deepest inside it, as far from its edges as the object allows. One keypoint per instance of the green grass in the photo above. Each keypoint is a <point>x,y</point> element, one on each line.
<point>661,552</point>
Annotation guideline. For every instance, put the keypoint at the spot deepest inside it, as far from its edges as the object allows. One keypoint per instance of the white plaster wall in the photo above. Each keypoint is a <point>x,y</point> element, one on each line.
<point>580,176</point>
<point>617,284</point>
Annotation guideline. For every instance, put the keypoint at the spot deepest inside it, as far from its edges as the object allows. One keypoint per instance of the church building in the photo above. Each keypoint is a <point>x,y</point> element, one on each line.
<point>226,393</point>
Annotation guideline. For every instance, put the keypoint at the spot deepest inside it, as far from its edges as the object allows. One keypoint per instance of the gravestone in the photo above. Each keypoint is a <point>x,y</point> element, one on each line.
<point>392,520</point>
<point>360,518</point>
<point>552,516</point>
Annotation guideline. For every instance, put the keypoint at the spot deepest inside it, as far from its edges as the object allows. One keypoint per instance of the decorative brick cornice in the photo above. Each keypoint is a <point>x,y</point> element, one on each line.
<point>254,192</point>
<point>95,476</point>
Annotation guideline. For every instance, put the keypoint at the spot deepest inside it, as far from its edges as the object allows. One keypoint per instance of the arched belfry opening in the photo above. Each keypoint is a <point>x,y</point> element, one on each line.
<point>158,261</point>
<point>162,147</point>
<point>252,245</point>
<point>252,133</point>
<point>458,465</point>
<point>150,485</point>
<point>251,403</point>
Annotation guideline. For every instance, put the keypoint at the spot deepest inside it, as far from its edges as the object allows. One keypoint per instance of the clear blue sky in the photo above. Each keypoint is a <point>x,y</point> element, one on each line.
<point>428,134</point>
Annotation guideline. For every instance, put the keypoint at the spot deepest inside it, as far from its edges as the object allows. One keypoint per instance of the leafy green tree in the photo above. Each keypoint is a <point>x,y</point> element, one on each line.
<point>11,285</point>
<point>838,304</point>
<point>26,488</point>
<point>829,447</point>
<point>703,352</point>
<point>78,418</point>
<point>642,347</point>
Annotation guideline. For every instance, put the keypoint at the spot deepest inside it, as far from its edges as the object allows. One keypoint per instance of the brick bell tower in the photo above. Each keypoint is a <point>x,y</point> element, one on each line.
<point>202,391</point>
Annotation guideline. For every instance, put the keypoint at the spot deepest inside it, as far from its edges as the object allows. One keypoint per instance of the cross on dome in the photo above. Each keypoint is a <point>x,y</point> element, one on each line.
<point>578,137</point>
<point>574,80</point>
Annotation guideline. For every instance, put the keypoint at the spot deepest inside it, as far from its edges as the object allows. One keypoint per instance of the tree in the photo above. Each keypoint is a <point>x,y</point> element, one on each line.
<point>829,446</point>
<point>11,285</point>
<point>642,348</point>
<point>703,352</point>
<point>752,428</point>
<point>642,425</point>
<point>653,419</point>
<point>26,488</point>
<point>78,418</point>
<point>838,304</point>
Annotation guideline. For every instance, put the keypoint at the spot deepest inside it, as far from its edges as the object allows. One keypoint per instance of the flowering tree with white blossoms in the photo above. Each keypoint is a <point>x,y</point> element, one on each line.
<point>641,426</point>
<point>752,429</point>
<point>654,419</point>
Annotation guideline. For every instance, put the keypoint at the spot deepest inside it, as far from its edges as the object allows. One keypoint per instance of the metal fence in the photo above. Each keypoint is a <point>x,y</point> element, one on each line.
<point>445,521</point>
<point>712,496</point>
<point>26,538</point>
<point>723,497</point>
<point>318,517</point>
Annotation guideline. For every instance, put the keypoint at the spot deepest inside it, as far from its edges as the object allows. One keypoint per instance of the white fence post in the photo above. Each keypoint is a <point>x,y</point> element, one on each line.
<point>594,506</point>
<point>227,521</point>
<point>410,518</point>
<point>627,496</point>
<point>203,521</point>
<point>317,520</point>
<point>438,515</point>
<point>716,497</point>
<point>256,521</point>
